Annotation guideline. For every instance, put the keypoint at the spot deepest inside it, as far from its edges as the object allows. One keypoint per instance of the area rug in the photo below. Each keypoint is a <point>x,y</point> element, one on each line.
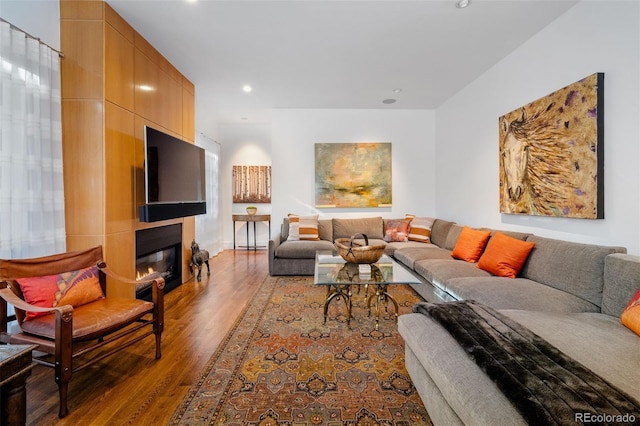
<point>280,365</point>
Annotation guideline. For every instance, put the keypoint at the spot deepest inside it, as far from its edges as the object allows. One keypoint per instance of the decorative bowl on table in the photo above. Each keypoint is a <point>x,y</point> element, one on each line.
<point>358,250</point>
<point>251,210</point>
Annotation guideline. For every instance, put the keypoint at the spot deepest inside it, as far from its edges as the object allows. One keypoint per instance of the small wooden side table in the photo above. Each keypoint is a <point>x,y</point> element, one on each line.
<point>15,367</point>
<point>248,218</point>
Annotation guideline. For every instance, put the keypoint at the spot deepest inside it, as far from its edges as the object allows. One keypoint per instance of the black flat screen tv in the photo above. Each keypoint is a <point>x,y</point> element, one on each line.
<point>174,178</point>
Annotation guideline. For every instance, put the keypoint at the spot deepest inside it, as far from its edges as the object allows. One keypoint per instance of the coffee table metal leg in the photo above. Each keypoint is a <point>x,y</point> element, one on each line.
<point>381,295</point>
<point>345,292</point>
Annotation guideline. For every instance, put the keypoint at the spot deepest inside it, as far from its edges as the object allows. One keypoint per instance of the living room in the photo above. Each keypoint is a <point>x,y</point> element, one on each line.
<point>450,152</point>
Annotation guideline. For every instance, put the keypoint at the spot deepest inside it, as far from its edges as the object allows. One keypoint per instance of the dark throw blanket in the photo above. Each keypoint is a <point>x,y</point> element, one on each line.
<point>544,385</point>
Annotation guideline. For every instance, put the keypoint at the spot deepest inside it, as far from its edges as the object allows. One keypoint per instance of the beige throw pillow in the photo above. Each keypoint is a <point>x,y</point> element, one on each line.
<point>303,228</point>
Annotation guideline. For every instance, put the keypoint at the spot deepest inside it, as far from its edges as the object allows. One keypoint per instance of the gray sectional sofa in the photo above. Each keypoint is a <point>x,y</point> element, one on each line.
<point>570,294</point>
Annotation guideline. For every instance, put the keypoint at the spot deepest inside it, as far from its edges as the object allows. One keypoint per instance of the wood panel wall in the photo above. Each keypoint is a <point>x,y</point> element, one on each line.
<point>106,71</point>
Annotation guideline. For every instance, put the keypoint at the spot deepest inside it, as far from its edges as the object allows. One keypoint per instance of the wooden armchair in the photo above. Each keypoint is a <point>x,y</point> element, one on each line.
<point>65,331</point>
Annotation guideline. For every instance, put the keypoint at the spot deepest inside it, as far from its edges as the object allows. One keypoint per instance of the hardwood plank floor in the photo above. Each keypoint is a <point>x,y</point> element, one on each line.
<point>132,387</point>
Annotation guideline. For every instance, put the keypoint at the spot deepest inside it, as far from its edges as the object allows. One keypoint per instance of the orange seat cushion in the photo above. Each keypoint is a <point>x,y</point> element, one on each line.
<point>470,244</point>
<point>504,255</point>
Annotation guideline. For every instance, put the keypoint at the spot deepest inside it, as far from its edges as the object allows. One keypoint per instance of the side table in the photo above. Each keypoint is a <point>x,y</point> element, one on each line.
<point>15,367</point>
<point>248,218</point>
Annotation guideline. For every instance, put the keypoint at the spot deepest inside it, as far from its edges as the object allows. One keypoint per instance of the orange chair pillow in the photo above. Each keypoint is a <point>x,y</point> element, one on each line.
<point>73,288</point>
<point>470,244</point>
<point>504,255</point>
<point>39,291</point>
<point>630,317</point>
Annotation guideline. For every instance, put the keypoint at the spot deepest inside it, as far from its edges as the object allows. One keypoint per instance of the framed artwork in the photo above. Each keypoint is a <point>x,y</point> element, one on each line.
<point>552,153</point>
<point>353,174</point>
<point>251,184</point>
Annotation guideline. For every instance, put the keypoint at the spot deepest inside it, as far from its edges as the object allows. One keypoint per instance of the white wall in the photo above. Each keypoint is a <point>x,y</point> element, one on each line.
<point>242,145</point>
<point>295,131</point>
<point>593,36</point>
<point>40,18</point>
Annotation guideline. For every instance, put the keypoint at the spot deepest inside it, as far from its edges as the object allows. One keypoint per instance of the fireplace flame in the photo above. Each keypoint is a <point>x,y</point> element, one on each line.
<point>142,275</point>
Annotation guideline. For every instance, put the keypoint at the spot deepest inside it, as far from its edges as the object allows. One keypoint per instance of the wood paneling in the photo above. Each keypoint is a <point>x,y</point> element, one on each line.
<point>188,116</point>
<point>82,9</point>
<point>119,24</point>
<point>158,60</point>
<point>104,112</point>
<point>161,101</point>
<point>83,166</point>
<point>119,81</point>
<point>120,172</point>
<point>120,255</point>
<point>82,67</point>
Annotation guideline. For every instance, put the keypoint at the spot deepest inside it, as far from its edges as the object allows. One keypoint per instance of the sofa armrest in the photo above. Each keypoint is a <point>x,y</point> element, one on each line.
<point>274,243</point>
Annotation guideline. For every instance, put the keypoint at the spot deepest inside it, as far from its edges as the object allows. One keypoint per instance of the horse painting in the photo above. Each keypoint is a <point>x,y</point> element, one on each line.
<point>198,257</point>
<point>550,154</point>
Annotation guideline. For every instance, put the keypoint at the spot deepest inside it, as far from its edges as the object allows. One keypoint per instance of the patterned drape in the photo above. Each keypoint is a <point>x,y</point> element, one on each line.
<point>31,180</point>
<point>209,226</point>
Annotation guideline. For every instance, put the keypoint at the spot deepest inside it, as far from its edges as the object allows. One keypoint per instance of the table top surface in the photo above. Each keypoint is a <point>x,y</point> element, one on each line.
<point>251,217</point>
<point>331,269</point>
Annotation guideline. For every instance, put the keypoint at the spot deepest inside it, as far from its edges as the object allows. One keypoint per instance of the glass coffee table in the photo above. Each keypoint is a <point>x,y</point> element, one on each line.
<point>340,277</point>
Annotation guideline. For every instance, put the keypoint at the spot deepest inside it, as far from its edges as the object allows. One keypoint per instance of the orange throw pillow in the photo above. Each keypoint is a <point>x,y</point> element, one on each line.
<point>470,244</point>
<point>630,317</point>
<point>505,255</point>
<point>39,291</point>
<point>77,288</point>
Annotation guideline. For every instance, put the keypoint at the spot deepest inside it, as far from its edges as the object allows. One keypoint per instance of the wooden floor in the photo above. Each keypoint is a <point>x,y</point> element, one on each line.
<point>132,387</point>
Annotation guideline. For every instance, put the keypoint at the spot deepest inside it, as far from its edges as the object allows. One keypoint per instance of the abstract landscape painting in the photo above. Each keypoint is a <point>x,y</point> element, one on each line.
<point>353,174</point>
<point>552,153</point>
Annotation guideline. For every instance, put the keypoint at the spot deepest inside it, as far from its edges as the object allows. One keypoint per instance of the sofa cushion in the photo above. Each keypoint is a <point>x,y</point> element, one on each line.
<point>439,232</point>
<point>516,293</point>
<point>303,227</point>
<point>325,229</point>
<point>504,255</point>
<point>439,271</point>
<point>302,249</point>
<point>470,244</point>
<point>392,247</point>
<point>452,236</point>
<point>621,282</point>
<point>597,341</point>
<point>396,230</point>
<point>372,227</point>
<point>573,267</point>
<point>409,255</point>
<point>470,393</point>
<point>590,338</point>
<point>420,228</point>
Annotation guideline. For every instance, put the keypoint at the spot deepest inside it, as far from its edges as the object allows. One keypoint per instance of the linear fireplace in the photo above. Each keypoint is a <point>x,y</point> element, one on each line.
<point>159,250</point>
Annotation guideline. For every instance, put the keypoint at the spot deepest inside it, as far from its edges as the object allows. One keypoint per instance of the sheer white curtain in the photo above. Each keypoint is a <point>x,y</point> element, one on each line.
<point>31,181</point>
<point>209,226</point>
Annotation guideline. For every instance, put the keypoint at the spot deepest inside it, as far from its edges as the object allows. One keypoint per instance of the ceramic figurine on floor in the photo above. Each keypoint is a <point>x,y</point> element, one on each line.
<point>198,257</point>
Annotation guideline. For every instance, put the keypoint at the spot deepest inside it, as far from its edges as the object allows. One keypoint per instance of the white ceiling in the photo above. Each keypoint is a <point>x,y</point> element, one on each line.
<point>332,53</point>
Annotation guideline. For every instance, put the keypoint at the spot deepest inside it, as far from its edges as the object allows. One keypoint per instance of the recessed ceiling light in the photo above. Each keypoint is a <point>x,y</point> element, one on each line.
<point>398,90</point>
<point>388,101</point>
<point>246,88</point>
<point>461,4</point>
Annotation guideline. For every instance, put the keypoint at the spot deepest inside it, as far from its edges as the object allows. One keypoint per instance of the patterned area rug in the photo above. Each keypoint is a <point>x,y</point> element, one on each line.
<point>280,365</point>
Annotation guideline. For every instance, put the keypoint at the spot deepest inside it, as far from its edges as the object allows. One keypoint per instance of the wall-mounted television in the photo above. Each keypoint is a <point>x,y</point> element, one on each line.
<point>174,177</point>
